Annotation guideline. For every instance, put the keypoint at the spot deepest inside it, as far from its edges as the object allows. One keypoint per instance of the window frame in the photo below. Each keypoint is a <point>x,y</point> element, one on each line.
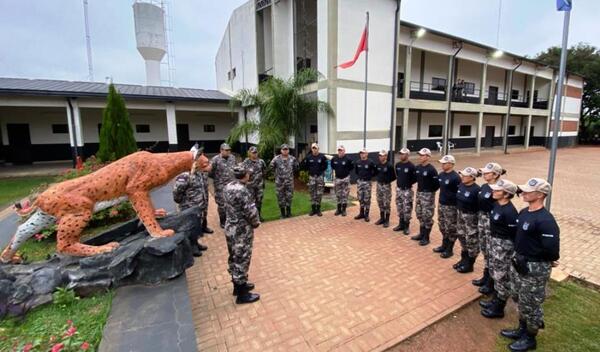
<point>57,128</point>
<point>439,87</point>
<point>460,130</point>
<point>141,128</point>
<point>207,128</point>
<point>441,127</point>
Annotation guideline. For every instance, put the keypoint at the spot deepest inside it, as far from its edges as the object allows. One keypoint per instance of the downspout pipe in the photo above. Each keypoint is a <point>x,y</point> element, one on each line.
<point>506,121</point>
<point>74,131</point>
<point>394,82</point>
<point>449,92</point>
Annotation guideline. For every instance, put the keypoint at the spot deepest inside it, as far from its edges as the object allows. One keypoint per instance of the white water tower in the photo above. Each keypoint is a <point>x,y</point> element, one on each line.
<point>150,38</point>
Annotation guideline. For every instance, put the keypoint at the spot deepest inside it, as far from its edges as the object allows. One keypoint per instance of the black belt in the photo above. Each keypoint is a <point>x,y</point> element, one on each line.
<point>403,188</point>
<point>365,179</point>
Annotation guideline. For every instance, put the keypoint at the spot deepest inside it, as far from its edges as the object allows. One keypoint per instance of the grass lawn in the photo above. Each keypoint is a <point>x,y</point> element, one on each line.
<point>13,189</point>
<point>39,325</point>
<point>300,203</point>
<point>571,314</point>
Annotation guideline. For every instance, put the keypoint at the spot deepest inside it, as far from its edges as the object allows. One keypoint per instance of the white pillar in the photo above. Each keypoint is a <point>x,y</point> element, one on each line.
<point>407,73</point>
<point>172,127</point>
<point>405,122</point>
<point>550,106</point>
<point>152,73</point>
<point>528,126</point>
<point>481,104</point>
<point>75,128</point>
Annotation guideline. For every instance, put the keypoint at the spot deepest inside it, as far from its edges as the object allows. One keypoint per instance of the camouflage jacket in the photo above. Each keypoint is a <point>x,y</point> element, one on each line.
<point>284,168</point>
<point>239,204</point>
<point>222,170</point>
<point>257,168</point>
<point>189,191</point>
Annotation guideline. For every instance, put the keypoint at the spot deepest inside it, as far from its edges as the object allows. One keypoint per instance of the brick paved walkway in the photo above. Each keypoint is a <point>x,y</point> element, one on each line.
<point>332,283</point>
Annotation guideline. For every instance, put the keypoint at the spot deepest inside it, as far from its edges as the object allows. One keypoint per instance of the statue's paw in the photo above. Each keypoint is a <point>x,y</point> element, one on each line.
<point>164,233</point>
<point>113,245</point>
<point>109,247</point>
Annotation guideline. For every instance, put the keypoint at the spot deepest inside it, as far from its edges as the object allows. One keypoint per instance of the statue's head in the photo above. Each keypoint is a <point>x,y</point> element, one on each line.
<point>203,164</point>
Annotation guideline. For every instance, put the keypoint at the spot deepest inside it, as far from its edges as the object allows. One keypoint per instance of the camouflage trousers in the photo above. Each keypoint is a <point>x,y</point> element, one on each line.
<point>257,194</point>
<point>342,189</point>
<point>466,230</point>
<point>363,193</point>
<point>384,196</point>
<point>239,239</point>
<point>485,233</point>
<point>447,221</point>
<point>501,251</point>
<point>404,203</point>
<point>529,292</point>
<point>285,192</point>
<point>425,207</point>
<point>316,185</point>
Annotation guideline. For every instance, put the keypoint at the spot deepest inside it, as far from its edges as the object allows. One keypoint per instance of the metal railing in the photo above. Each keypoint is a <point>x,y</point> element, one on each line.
<point>427,91</point>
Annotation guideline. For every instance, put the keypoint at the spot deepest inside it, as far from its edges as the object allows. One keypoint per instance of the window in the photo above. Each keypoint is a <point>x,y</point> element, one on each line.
<point>438,84</point>
<point>469,88</point>
<point>514,94</point>
<point>209,128</point>
<point>99,128</point>
<point>435,130</point>
<point>313,129</point>
<point>465,131</point>
<point>142,128</point>
<point>60,128</point>
<point>512,130</point>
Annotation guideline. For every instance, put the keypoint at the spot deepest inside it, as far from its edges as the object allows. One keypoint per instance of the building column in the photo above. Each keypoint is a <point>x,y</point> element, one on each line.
<point>529,117</point>
<point>407,73</point>
<point>550,106</point>
<point>75,129</point>
<point>405,121</point>
<point>478,133</point>
<point>449,84</point>
<point>172,127</point>
<point>481,104</point>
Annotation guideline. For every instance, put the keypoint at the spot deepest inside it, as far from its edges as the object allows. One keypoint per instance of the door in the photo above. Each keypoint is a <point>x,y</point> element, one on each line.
<point>488,140</point>
<point>19,141</point>
<point>398,138</point>
<point>183,137</point>
<point>531,134</point>
<point>493,95</point>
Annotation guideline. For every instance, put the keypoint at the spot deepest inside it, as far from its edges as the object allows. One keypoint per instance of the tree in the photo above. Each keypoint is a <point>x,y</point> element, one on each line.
<point>116,134</point>
<point>283,107</point>
<point>582,59</point>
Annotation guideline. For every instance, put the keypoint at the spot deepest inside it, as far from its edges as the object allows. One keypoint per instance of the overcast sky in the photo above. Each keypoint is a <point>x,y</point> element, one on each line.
<point>46,38</point>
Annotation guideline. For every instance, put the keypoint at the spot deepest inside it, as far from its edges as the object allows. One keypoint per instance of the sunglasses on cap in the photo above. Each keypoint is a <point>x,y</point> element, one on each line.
<point>254,152</point>
<point>284,148</point>
<point>314,148</point>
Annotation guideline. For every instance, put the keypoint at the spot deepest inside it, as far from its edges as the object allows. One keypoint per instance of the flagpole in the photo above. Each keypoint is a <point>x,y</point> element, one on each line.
<point>366,80</point>
<point>559,94</point>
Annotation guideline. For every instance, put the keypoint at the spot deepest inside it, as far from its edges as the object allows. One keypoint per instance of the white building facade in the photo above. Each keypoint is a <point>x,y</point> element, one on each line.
<point>413,90</point>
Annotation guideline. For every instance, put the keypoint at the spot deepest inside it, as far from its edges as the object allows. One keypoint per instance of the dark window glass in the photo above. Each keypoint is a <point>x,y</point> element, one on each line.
<point>142,128</point>
<point>209,128</point>
<point>512,130</point>
<point>438,84</point>
<point>435,130</point>
<point>514,94</point>
<point>60,128</point>
<point>465,131</point>
<point>469,88</point>
<point>313,129</point>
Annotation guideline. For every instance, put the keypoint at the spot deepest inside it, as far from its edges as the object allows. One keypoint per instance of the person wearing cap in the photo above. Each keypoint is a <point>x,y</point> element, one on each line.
<point>205,228</point>
<point>503,223</point>
<point>467,206</point>
<point>385,177</point>
<point>406,178</point>
<point>256,185</point>
<point>365,170</point>
<point>537,246</point>
<point>342,165</point>
<point>491,174</point>
<point>284,166</point>
<point>222,173</point>
<point>427,185</point>
<point>447,215</point>
<point>242,218</point>
<point>316,164</point>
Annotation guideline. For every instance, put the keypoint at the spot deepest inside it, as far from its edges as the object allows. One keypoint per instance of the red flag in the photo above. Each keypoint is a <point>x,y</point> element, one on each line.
<point>362,46</point>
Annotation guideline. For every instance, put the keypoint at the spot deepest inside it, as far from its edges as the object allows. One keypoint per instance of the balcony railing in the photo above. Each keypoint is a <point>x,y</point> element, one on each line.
<point>497,98</point>
<point>540,104</point>
<point>427,91</point>
<point>460,95</point>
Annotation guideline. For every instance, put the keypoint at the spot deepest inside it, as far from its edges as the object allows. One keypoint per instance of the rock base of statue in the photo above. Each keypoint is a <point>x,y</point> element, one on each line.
<point>140,259</point>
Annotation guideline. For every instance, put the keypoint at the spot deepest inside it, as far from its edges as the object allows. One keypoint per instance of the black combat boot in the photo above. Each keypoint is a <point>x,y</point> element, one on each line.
<point>488,288</point>
<point>381,218</point>
<point>483,280</point>
<point>418,236</point>
<point>318,206</point>
<point>202,247</point>
<point>526,342</point>
<point>488,304</point>
<point>344,209</point>
<point>463,256</point>
<point>245,296</point>
<point>425,240</point>
<point>467,266</point>
<point>406,230</point>
<point>288,211</point>
<point>283,211</point>
<point>400,226</point>
<point>248,285</point>
<point>441,248</point>
<point>196,252</point>
<point>367,219</point>
<point>496,310</point>
<point>516,333</point>
<point>222,219</point>
<point>205,227</point>
<point>386,219</point>
<point>449,250</point>
<point>360,215</point>
<point>339,210</point>
<point>313,210</point>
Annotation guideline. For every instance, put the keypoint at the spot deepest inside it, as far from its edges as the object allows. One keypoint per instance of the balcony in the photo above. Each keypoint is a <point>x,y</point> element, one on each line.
<point>461,95</point>
<point>427,91</point>
<point>540,104</point>
<point>495,98</point>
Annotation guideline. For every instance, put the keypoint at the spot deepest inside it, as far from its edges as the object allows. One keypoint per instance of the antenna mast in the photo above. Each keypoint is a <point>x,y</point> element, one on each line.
<point>88,41</point>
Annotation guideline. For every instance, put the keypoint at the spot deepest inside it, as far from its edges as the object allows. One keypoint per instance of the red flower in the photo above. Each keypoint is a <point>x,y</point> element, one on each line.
<point>85,346</point>
<point>71,331</point>
<point>57,347</point>
<point>27,347</point>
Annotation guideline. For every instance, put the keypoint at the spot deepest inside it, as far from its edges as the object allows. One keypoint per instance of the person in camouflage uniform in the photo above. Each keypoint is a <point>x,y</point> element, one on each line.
<point>342,165</point>
<point>447,214</point>
<point>205,227</point>
<point>316,164</point>
<point>503,223</point>
<point>385,177</point>
<point>222,173</point>
<point>365,170</point>
<point>284,166</point>
<point>427,185</point>
<point>467,206</point>
<point>256,185</point>
<point>406,178</point>
<point>241,220</point>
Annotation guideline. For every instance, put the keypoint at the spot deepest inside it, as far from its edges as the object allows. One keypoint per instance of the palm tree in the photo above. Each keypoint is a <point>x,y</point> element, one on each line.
<point>283,107</point>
